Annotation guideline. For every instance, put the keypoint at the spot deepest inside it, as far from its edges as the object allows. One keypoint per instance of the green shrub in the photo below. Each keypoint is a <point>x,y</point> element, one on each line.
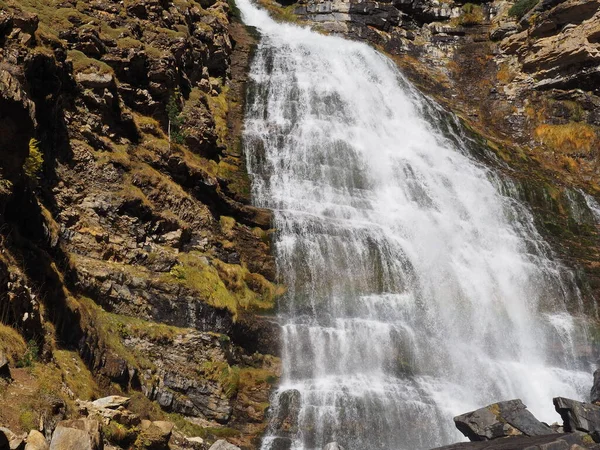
<point>30,356</point>
<point>35,160</point>
<point>175,118</point>
<point>522,7</point>
<point>471,15</point>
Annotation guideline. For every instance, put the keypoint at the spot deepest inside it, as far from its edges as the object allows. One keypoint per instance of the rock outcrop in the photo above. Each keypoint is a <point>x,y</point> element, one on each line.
<point>508,418</point>
<point>131,259</point>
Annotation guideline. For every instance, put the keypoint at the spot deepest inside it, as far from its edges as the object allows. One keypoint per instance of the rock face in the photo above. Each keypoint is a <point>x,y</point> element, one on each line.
<point>578,416</point>
<point>126,230</point>
<point>548,442</point>
<point>79,434</point>
<point>509,418</point>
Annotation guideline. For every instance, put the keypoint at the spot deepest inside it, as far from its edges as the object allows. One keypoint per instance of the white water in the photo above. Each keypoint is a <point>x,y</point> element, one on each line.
<point>417,291</point>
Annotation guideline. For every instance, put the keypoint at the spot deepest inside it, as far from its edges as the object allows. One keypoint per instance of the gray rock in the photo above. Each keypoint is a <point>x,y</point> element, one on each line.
<point>36,441</point>
<point>571,441</point>
<point>579,416</point>
<point>286,412</point>
<point>595,393</point>
<point>223,445</point>
<point>509,418</point>
<point>80,434</point>
<point>333,446</point>
<point>111,402</point>
<point>95,80</point>
<point>504,30</point>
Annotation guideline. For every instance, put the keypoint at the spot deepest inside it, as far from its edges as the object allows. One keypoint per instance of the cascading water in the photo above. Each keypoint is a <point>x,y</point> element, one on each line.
<point>418,288</point>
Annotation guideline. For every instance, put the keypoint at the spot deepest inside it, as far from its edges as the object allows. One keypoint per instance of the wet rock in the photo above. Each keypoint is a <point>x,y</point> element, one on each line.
<point>572,441</point>
<point>36,441</point>
<point>509,418</point>
<point>80,434</point>
<point>579,416</point>
<point>333,446</point>
<point>286,412</point>
<point>223,445</point>
<point>595,392</point>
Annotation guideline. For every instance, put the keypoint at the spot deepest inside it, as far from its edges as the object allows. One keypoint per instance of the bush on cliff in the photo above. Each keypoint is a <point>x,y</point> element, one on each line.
<point>522,7</point>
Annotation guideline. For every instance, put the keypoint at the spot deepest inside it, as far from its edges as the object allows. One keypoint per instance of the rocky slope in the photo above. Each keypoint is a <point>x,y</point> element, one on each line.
<point>130,258</point>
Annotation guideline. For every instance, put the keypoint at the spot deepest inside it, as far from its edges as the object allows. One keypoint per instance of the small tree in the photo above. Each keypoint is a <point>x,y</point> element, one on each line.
<point>175,119</point>
<point>35,161</point>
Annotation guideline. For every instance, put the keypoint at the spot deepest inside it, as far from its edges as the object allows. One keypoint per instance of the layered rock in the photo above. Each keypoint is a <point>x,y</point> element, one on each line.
<point>130,256</point>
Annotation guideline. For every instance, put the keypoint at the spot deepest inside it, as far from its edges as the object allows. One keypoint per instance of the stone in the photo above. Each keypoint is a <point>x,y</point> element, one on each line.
<point>36,441</point>
<point>79,434</point>
<point>4,367</point>
<point>286,413</point>
<point>570,441</point>
<point>503,30</point>
<point>26,22</point>
<point>223,445</point>
<point>111,402</point>
<point>333,446</point>
<point>15,442</point>
<point>156,435</point>
<point>595,392</point>
<point>3,441</point>
<point>95,80</point>
<point>579,416</point>
<point>508,418</point>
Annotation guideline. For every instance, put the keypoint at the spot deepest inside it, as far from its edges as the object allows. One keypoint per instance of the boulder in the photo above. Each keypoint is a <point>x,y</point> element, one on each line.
<point>111,402</point>
<point>36,441</point>
<point>4,367</point>
<point>595,393</point>
<point>3,442</point>
<point>333,446</point>
<point>570,441</point>
<point>509,418</point>
<point>223,445</point>
<point>15,442</point>
<point>80,434</point>
<point>286,413</point>
<point>95,80</point>
<point>156,435</point>
<point>579,416</point>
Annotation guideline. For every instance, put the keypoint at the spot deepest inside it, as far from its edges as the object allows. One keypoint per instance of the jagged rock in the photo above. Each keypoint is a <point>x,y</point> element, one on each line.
<point>26,22</point>
<point>80,434</point>
<point>333,446</point>
<point>36,441</point>
<point>509,418</point>
<point>4,366</point>
<point>595,392</point>
<point>113,412</point>
<point>223,445</point>
<point>503,30</point>
<point>111,402</point>
<point>286,412</point>
<point>156,435</point>
<point>15,442</point>
<point>579,416</point>
<point>572,441</point>
<point>95,80</point>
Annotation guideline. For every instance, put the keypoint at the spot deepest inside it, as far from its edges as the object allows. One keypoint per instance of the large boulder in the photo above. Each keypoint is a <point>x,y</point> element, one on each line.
<point>111,402</point>
<point>595,393</point>
<point>509,418</point>
<point>36,441</point>
<point>223,445</point>
<point>570,441</point>
<point>156,435</point>
<point>80,434</point>
<point>579,416</point>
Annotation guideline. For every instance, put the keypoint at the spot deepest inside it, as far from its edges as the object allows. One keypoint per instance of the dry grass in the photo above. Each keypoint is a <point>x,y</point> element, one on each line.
<point>573,138</point>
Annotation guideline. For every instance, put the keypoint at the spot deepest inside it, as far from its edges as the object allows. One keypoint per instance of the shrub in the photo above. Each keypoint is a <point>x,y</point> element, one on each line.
<point>522,7</point>
<point>175,119</point>
<point>35,160</point>
<point>30,356</point>
<point>471,15</point>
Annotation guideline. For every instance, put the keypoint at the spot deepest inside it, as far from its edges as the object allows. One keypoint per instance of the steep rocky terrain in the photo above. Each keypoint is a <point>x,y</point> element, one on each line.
<point>130,258</point>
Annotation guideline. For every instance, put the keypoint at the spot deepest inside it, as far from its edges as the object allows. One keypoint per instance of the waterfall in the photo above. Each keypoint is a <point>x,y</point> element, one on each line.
<point>418,287</point>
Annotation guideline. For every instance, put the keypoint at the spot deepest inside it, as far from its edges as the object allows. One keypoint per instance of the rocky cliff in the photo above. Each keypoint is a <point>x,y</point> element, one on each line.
<point>131,260</point>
